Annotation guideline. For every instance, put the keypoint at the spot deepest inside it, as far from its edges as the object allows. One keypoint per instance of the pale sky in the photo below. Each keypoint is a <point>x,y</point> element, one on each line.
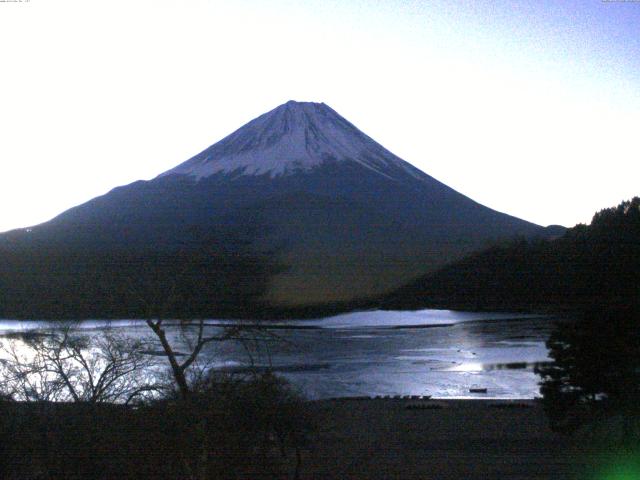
<point>531,108</point>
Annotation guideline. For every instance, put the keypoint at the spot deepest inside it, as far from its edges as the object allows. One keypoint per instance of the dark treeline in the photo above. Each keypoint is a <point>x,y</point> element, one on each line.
<point>598,263</point>
<point>230,429</point>
<point>594,378</point>
<point>60,282</point>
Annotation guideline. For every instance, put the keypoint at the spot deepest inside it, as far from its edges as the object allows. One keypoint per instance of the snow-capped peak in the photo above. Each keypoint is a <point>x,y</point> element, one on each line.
<point>294,137</point>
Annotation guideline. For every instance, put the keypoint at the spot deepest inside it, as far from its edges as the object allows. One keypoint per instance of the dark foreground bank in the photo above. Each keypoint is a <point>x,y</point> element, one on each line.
<point>448,439</point>
<point>329,439</point>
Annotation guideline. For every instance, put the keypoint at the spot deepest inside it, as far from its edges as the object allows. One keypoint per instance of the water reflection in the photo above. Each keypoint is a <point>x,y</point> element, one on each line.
<point>374,353</point>
<point>468,367</point>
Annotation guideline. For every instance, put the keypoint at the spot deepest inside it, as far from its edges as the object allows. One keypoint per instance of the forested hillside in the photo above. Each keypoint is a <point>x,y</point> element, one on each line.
<point>590,264</point>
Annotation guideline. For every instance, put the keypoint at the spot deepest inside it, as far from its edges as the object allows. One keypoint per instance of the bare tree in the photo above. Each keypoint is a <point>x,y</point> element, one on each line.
<point>179,367</point>
<point>196,334</point>
<point>67,366</point>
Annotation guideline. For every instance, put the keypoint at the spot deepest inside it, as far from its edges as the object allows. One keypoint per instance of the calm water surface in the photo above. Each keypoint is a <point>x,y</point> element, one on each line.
<point>429,352</point>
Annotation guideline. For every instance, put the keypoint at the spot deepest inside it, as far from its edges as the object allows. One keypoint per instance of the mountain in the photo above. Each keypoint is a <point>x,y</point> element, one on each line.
<point>341,218</point>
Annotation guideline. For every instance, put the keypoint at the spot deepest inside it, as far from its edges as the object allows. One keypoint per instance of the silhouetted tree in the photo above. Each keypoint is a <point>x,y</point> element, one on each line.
<point>250,427</point>
<point>64,365</point>
<point>596,368</point>
<point>181,363</point>
<point>596,358</point>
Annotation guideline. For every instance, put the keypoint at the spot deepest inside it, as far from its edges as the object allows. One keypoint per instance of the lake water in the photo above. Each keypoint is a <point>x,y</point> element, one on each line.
<point>428,352</point>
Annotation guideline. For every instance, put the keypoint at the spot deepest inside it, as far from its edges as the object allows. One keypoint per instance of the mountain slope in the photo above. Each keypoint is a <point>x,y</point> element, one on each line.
<point>294,137</point>
<point>342,217</point>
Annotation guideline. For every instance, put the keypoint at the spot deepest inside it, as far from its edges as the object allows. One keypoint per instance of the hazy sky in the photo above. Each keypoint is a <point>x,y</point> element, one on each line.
<point>531,108</point>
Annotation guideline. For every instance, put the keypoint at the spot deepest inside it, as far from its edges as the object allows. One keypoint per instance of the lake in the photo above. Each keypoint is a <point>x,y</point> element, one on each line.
<point>441,353</point>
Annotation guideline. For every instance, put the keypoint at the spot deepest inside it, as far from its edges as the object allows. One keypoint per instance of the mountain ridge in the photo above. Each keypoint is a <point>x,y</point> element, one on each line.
<point>340,218</point>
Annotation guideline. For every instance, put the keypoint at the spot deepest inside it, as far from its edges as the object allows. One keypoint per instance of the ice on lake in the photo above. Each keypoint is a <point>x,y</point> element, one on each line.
<point>442,353</point>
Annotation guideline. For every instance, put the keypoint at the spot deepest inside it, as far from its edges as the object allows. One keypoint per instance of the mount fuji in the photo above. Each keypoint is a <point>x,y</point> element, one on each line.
<point>344,218</point>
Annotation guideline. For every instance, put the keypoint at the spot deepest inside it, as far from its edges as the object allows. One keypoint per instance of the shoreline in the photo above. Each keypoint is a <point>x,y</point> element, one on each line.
<point>424,398</point>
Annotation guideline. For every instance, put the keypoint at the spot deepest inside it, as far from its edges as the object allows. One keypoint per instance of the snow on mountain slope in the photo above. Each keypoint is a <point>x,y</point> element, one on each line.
<point>294,137</point>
